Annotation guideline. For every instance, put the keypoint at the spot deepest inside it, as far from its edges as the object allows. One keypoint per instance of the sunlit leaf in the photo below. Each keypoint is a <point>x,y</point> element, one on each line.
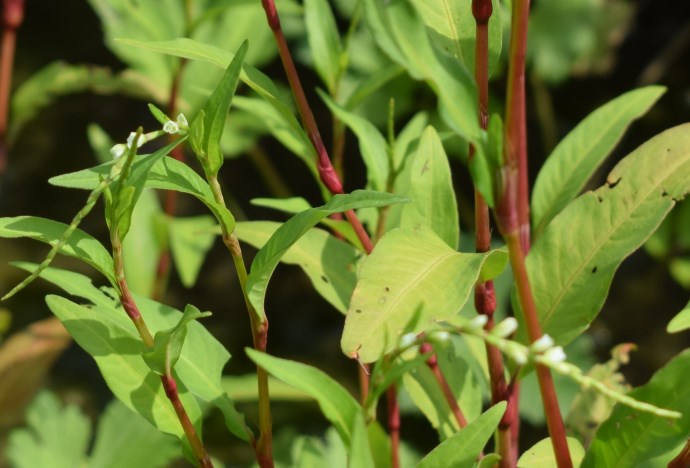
<point>324,41</point>
<point>541,454</point>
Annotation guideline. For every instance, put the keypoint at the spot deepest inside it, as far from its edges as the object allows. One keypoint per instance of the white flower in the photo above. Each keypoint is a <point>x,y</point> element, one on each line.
<point>171,127</point>
<point>555,355</point>
<point>407,340</point>
<point>182,121</point>
<point>517,353</point>
<point>505,328</point>
<point>542,344</point>
<point>140,141</point>
<point>118,150</point>
<point>440,335</point>
<point>478,322</point>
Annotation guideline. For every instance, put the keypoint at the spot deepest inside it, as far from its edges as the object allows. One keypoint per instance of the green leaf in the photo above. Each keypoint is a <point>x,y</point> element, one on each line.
<point>124,440</point>
<point>57,437</point>
<point>80,244</point>
<point>244,388</point>
<point>190,241</point>
<point>166,174</point>
<point>336,403</point>
<point>583,150</point>
<point>324,41</point>
<point>372,145</point>
<point>329,262</point>
<point>629,437</point>
<point>408,278</point>
<point>465,446</point>
<point>115,346</point>
<point>681,321</point>
<point>268,257</point>
<point>452,29</point>
<point>215,112</point>
<point>201,376</point>
<point>143,244</point>
<point>360,453</point>
<point>541,454</point>
<point>571,265</point>
<point>423,388</point>
<point>167,345</point>
<point>430,186</point>
<point>100,143</point>
<point>57,79</point>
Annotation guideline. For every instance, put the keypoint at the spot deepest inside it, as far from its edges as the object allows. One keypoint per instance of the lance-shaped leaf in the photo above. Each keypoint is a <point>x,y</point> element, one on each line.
<point>336,403</point>
<point>630,437</point>
<point>201,376</point>
<point>541,453</point>
<point>80,244</point>
<point>166,174</point>
<point>324,41</point>
<point>430,186</point>
<point>681,321</point>
<point>573,162</point>
<point>465,446</point>
<point>214,114</point>
<point>452,29</point>
<point>116,348</point>
<point>167,344</point>
<point>190,241</point>
<point>269,256</point>
<point>328,261</point>
<point>571,265</point>
<point>411,280</point>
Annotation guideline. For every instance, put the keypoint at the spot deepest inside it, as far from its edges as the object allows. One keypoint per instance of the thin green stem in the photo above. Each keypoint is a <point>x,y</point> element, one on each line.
<point>262,446</point>
<point>554,420</point>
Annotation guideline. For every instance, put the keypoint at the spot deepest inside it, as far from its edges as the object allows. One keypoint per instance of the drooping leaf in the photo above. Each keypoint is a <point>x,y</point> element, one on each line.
<point>573,162</point>
<point>56,436</point>
<point>329,262</point>
<point>124,440</point>
<point>190,241</point>
<point>167,345</point>
<point>215,112</point>
<point>541,454</point>
<point>411,275</point>
<point>372,145</point>
<point>269,256</point>
<point>570,269</point>
<point>360,451</point>
<point>465,446</point>
<point>430,187</point>
<point>630,437</point>
<point>426,394</point>
<point>116,348</point>
<point>324,41</point>
<point>80,245</point>
<point>336,403</point>
<point>681,321</point>
<point>452,29</point>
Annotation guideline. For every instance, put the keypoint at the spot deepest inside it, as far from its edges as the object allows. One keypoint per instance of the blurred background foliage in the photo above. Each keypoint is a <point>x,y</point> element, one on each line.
<point>76,89</point>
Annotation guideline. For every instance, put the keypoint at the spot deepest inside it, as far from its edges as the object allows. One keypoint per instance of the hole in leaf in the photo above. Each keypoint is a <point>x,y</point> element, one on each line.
<point>324,279</point>
<point>386,289</point>
<point>600,198</point>
<point>594,270</point>
<point>664,193</point>
<point>358,311</point>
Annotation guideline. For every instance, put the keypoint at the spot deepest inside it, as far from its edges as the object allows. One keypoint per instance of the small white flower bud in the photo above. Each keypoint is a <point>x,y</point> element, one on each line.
<point>140,141</point>
<point>407,340</point>
<point>555,354</point>
<point>517,353</point>
<point>118,150</point>
<point>171,127</point>
<point>505,328</point>
<point>478,322</point>
<point>182,121</point>
<point>440,335</point>
<point>542,344</point>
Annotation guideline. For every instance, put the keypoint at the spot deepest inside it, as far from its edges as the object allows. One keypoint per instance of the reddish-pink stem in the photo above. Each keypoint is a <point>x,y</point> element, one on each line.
<point>12,17</point>
<point>432,363</point>
<point>682,460</point>
<point>394,424</point>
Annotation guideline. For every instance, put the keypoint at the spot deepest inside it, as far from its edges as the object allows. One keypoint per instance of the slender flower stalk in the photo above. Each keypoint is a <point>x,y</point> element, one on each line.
<point>432,364</point>
<point>12,17</point>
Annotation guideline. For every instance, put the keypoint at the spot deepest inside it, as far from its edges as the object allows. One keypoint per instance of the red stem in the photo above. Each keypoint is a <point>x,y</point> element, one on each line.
<point>516,116</point>
<point>12,17</point>
<point>554,421</point>
<point>683,458</point>
<point>432,363</point>
<point>394,424</point>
